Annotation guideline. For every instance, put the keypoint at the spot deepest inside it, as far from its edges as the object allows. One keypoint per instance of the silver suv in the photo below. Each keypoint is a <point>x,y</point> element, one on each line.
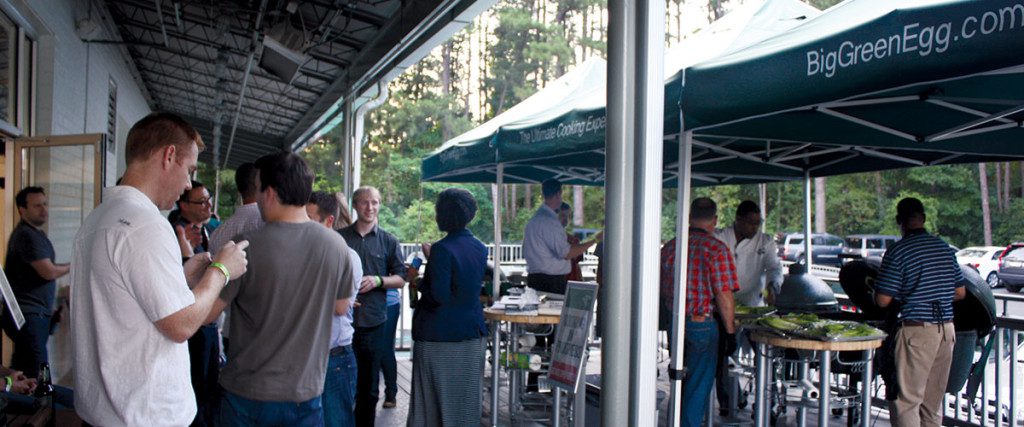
<point>825,248</point>
<point>867,245</point>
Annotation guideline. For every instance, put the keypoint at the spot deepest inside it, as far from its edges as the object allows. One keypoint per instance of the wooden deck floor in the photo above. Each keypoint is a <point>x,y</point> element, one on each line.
<point>397,416</point>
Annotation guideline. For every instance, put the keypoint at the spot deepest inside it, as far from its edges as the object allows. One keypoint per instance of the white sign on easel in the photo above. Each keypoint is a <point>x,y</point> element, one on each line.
<point>12,303</point>
<point>570,347</point>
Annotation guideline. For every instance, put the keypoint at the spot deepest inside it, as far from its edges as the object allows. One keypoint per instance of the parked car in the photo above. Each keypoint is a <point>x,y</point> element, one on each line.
<point>865,245</point>
<point>984,260</point>
<point>1011,267</point>
<point>825,248</point>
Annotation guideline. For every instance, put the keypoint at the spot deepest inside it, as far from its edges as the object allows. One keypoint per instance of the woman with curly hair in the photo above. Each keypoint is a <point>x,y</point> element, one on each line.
<point>448,328</point>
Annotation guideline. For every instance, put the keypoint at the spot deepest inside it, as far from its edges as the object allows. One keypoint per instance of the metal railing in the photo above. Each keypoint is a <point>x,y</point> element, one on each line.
<point>997,402</point>
<point>510,253</point>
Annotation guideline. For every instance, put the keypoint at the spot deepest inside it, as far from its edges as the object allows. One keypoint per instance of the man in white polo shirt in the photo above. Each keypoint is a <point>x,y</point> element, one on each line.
<point>545,247</point>
<point>132,308</point>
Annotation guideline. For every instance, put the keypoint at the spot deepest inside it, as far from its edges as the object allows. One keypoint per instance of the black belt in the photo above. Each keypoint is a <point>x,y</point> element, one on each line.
<point>920,323</point>
<point>341,349</point>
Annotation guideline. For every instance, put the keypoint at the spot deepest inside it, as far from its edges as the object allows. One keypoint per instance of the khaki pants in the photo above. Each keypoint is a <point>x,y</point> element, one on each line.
<point>923,355</point>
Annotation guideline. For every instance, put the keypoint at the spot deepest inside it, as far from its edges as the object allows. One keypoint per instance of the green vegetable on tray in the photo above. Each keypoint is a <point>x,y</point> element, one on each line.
<point>811,326</point>
<point>776,322</point>
<point>754,311</point>
<point>843,330</point>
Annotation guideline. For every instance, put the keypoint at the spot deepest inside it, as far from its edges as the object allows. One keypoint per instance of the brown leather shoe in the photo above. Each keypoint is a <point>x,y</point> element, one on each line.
<point>388,404</point>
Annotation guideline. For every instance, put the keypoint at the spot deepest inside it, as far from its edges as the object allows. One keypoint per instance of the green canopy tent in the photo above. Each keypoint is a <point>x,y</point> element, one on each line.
<point>474,155</point>
<point>866,86</point>
<point>869,86</point>
<point>559,131</point>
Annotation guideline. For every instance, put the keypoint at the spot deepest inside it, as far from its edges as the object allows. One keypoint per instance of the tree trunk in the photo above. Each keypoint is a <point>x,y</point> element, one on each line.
<point>999,187</point>
<point>880,197</point>
<point>986,216</point>
<point>819,205</point>
<point>528,197</point>
<point>778,218</point>
<point>515,201</point>
<point>446,82</point>
<point>1006,186</point>
<point>762,195</point>
<point>577,205</point>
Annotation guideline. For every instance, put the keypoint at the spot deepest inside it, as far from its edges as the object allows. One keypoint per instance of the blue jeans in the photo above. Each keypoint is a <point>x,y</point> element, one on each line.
<point>30,344</point>
<point>388,363</point>
<point>700,358</point>
<point>339,399</point>
<point>238,411</point>
<point>20,404</point>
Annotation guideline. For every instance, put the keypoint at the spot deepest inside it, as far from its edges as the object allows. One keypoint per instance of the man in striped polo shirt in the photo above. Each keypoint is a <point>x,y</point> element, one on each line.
<point>921,273</point>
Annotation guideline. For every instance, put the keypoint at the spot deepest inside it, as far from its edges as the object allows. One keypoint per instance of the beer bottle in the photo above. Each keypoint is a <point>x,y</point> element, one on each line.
<point>44,393</point>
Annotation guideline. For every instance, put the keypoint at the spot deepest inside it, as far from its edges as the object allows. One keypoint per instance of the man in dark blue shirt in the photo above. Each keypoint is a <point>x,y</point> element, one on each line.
<point>921,273</point>
<point>32,272</point>
<point>383,269</point>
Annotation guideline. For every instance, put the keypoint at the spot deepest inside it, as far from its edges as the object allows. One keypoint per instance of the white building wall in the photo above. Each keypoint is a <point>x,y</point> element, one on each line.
<point>73,76</point>
<point>72,97</point>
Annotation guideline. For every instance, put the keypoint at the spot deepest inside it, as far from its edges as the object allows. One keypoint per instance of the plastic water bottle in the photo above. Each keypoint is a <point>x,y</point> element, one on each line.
<point>520,361</point>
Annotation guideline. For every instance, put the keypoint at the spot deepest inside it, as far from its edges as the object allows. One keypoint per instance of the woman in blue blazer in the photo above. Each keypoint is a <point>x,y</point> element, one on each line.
<point>448,328</point>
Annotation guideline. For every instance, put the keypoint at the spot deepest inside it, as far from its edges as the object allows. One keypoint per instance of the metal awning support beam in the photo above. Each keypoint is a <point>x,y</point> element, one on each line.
<point>952,132</point>
<point>881,155</point>
<point>521,178</point>
<point>833,162</point>
<point>811,154</point>
<point>964,109</point>
<point>569,172</point>
<point>873,101</point>
<point>745,156</point>
<point>789,151</point>
<point>944,159</point>
<point>712,160</point>
<point>986,129</point>
<point>254,43</point>
<point>868,124</point>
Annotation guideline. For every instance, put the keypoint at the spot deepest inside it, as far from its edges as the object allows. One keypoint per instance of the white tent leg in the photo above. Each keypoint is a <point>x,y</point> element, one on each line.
<point>496,292</point>
<point>678,331</point>
<point>808,255</point>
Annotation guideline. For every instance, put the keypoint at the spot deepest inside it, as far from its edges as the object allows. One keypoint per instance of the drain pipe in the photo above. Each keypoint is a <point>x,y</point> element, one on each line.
<point>357,135</point>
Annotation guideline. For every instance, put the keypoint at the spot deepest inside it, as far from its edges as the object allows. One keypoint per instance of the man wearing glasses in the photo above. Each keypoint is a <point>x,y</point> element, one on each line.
<point>758,267</point>
<point>204,346</point>
<point>194,209</point>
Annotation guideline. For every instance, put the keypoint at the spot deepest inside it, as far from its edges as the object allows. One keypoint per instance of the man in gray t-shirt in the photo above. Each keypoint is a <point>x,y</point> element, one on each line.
<point>299,278</point>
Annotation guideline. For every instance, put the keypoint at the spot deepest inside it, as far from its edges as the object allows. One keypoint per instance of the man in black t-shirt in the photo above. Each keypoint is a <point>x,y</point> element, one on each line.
<point>30,269</point>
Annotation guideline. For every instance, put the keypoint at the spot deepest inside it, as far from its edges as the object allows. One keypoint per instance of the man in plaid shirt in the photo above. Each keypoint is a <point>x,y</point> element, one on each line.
<point>710,280</point>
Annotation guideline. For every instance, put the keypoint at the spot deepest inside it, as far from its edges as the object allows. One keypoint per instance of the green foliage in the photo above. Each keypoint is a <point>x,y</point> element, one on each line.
<point>324,157</point>
<point>417,224</point>
<point>525,48</point>
<point>229,198</point>
<point>524,51</point>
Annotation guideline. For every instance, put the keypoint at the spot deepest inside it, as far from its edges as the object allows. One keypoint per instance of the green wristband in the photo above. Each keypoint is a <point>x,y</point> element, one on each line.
<point>10,382</point>
<point>380,281</point>
<point>223,269</point>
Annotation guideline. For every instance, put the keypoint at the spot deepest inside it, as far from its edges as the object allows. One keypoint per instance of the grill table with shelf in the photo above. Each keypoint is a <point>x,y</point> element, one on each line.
<point>825,350</point>
<point>545,316</point>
